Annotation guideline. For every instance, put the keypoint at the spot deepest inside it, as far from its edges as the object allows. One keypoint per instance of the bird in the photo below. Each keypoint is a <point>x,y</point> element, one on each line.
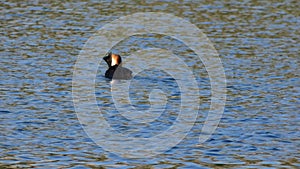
<point>115,69</point>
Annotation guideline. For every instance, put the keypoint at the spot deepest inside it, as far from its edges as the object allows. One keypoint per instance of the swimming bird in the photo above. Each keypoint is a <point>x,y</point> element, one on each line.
<point>115,69</point>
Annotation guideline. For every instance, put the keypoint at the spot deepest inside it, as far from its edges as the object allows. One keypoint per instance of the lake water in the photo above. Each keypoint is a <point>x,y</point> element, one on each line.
<point>257,42</point>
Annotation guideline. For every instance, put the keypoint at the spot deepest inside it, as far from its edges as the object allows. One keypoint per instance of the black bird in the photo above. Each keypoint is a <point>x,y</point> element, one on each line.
<point>115,69</point>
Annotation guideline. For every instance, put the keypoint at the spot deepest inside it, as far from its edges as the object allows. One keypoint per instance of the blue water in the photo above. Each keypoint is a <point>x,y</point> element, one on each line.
<point>258,44</point>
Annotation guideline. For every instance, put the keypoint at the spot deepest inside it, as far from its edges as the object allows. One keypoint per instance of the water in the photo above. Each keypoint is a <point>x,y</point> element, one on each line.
<point>258,43</point>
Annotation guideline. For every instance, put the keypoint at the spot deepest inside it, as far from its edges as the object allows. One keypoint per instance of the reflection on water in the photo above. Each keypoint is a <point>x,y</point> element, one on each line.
<point>258,43</point>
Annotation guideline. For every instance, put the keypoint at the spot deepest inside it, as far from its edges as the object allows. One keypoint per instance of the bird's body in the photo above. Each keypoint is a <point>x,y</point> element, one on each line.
<point>115,69</point>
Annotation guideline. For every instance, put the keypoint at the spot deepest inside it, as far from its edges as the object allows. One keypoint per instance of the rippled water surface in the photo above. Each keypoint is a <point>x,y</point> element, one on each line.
<point>258,44</point>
